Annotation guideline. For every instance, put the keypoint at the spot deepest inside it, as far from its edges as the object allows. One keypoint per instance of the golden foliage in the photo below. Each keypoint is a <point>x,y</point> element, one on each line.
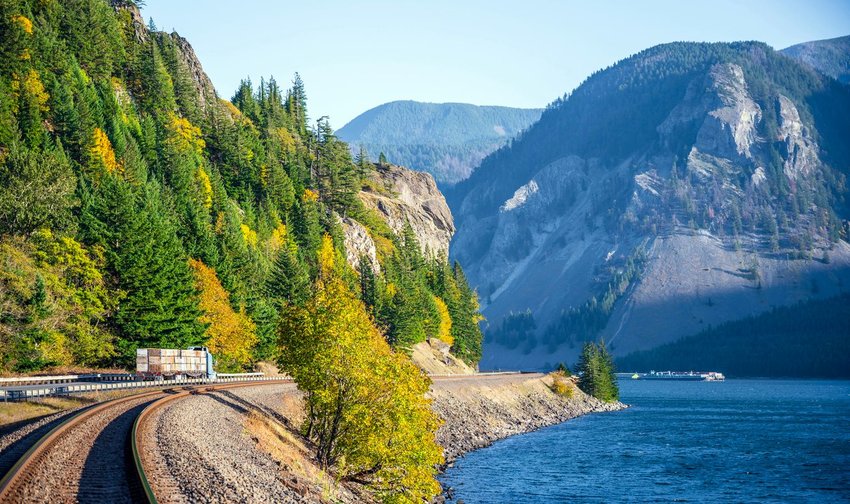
<point>206,186</point>
<point>232,334</point>
<point>234,112</point>
<point>53,298</point>
<point>32,88</point>
<point>101,150</point>
<point>561,384</point>
<point>278,238</point>
<point>310,195</point>
<point>445,330</point>
<point>367,407</point>
<point>186,136</point>
<point>24,22</point>
<point>249,235</point>
<point>287,141</point>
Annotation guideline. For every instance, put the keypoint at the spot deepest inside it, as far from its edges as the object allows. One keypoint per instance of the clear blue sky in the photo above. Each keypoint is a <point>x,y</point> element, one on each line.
<point>355,55</point>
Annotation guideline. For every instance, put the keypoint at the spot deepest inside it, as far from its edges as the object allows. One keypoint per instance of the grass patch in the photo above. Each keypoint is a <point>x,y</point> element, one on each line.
<point>14,411</point>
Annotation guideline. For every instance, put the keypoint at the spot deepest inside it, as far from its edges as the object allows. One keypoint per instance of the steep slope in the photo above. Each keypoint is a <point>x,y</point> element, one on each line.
<point>830,57</point>
<point>685,186</point>
<point>447,140</point>
<point>138,208</point>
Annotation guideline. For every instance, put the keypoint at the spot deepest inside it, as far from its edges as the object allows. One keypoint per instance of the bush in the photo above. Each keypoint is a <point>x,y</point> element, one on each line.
<point>562,384</point>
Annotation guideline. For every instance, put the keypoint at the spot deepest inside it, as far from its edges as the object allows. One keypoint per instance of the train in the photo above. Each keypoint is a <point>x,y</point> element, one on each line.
<point>166,363</point>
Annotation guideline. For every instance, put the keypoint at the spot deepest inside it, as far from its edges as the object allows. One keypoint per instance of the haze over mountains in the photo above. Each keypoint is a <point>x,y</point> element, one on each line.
<point>831,57</point>
<point>447,140</point>
<point>689,185</point>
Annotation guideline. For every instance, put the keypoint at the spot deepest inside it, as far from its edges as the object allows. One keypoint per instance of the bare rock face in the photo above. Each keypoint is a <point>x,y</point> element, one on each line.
<point>802,150</point>
<point>358,243</point>
<point>202,82</point>
<point>139,28</point>
<point>413,197</point>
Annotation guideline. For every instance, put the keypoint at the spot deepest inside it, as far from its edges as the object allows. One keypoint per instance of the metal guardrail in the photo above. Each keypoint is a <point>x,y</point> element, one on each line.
<point>50,389</point>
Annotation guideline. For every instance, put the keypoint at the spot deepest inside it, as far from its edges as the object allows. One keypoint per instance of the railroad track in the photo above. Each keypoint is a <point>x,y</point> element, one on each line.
<point>95,455</point>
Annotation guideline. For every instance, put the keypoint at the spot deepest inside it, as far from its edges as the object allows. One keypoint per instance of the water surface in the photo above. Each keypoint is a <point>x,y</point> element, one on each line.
<point>735,441</point>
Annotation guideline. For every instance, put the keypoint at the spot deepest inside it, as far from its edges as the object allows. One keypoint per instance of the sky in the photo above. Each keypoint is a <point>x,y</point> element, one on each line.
<point>355,55</point>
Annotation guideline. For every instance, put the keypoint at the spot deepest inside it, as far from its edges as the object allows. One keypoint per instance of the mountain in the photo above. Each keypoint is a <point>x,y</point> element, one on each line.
<point>686,186</point>
<point>831,57</point>
<point>447,140</point>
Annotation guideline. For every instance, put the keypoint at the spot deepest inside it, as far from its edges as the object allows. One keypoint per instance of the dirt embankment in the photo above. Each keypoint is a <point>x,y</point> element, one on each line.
<point>482,409</point>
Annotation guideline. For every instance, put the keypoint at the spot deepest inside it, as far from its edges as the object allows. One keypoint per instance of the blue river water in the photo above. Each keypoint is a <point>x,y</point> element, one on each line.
<point>733,441</point>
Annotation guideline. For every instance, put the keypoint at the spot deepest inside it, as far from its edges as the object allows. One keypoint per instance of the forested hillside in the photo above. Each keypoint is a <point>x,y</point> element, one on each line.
<point>830,57</point>
<point>808,339</point>
<point>447,140</point>
<point>138,209</point>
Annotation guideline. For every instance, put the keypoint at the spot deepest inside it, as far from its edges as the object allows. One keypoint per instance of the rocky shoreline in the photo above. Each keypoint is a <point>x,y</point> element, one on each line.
<point>476,415</point>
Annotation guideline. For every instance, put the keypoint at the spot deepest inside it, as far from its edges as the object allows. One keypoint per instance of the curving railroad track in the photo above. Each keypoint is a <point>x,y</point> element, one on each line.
<point>94,455</point>
<point>102,453</point>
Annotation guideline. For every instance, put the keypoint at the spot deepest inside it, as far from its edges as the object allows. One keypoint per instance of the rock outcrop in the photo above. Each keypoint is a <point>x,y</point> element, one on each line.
<point>358,243</point>
<point>203,85</point>
<point>200,79</point>
<point>407,196</point>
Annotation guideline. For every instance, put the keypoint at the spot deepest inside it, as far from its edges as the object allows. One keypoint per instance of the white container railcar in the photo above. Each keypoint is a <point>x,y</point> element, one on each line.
<point>161,363</point>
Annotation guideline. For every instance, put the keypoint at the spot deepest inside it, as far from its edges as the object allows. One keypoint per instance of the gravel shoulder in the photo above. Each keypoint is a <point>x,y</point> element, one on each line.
<point>237,445</point>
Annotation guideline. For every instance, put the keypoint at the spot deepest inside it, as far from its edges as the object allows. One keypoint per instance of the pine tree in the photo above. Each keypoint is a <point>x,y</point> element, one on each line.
<point>37,190</point>
<point>289,281</point>
<point>364,165</point>
<point>370,288</point>
<point>161,304</point>
<point>597,376</point>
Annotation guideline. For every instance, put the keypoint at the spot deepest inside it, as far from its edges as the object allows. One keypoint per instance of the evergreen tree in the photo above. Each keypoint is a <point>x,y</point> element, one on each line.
<point>289,281</point>
<point>161,304</point>
<point>596,368</point>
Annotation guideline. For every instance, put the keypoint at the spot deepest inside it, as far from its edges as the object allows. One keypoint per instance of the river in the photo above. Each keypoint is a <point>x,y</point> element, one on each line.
<point>733,441</point>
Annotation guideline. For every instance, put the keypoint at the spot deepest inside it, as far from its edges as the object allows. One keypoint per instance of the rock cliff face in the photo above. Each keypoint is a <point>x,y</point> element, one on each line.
<point>203,84</point>
<point>410,196</point>
<point>686,186</point>
<point>358,243</point>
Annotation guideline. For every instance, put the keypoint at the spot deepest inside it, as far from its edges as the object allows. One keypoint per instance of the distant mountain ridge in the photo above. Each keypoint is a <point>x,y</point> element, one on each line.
<point>447,140</point>
<point>830,57</point>
<point>688,185</point>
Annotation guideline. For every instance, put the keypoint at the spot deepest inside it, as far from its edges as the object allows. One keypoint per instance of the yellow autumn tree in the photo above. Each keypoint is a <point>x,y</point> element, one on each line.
<point>30,86</point>
<point>185,137</point>
<point>206,187</point>
<point>24,22</point>
<point>232,334</point>
<point>102,152</point>
<point>445,330</point>
<point>367,411</point>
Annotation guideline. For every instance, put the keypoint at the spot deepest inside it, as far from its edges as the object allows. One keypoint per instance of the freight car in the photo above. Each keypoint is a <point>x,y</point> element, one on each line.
<point>162,363</point>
